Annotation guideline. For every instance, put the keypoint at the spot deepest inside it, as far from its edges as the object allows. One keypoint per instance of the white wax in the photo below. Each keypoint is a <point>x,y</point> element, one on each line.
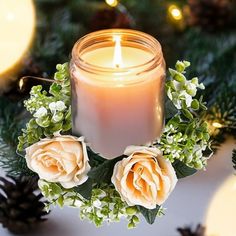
<point>111,113</point>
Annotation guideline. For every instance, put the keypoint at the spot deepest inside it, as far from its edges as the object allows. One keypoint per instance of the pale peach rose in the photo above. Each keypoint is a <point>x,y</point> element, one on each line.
<point>144,178</point>
<point>62,159</point>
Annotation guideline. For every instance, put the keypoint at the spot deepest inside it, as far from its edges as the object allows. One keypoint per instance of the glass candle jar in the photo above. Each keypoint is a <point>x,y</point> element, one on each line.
<point>117,81</point>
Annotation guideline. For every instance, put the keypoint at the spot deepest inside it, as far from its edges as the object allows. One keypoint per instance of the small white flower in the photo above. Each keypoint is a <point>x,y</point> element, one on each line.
<point>57,117</point>
<point>78,203</point>
<point>201,86</point>
<point>188,98</point>
<point>102,194</point>
<point>99,214</point>
<point>97,203</point>
<point>60,106</point>
<point>177,103</point>
<point>42,111</point>
<point>177,85</point>
<point>169,139</point>
<point>57,106</point>
<point>88,209</point>
<point>53,106</point>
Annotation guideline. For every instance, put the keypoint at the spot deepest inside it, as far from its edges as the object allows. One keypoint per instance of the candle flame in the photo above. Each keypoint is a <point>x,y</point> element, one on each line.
<point>117,59</point>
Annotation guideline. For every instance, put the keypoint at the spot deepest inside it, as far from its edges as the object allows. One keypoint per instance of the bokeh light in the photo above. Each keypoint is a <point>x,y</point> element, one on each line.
<point>175,12</point>
<point>17,25</point>
<point>112,3</point>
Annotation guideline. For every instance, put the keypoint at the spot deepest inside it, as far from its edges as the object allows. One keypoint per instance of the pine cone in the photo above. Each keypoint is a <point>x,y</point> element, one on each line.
<point>210,15</point>
<point>20,207</point>
<point>200,231</point>
<point>111,18</point>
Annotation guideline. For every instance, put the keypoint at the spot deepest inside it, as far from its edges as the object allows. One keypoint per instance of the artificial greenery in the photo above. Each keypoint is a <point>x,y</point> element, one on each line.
<point>62,22</point>
<point>97,208</point>
<point>185,136</point>
<point>184,142</point>
<point>51,111</point>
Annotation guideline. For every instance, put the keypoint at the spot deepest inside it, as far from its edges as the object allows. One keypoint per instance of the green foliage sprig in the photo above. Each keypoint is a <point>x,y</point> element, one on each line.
<point>105,204</point>
<point>51,110</point>
<point>186,137</point>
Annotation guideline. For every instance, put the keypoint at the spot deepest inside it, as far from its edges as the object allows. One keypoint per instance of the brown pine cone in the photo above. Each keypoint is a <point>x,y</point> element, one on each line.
<point>187,231</point>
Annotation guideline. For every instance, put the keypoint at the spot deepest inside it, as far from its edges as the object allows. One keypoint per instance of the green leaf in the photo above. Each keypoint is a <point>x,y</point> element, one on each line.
<point>94,158</point>
<point>195,104</point>
<point>85,189</point>
<point>60,201</point>
<point>103,172</point>
<point>56,189</point>
<point>55,89</point>
<point>187,114</point>
<point>182,170</point>
<point>149,214</point>
<point>170,109</point>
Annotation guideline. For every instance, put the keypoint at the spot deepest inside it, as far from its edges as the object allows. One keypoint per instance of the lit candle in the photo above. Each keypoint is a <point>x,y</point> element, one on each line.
<point>17,25</point>
<point>117,79</point>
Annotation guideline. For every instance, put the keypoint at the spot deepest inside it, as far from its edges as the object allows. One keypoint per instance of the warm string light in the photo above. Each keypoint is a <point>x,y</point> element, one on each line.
<point>22,80</point>
<point>217,125</point>
<point>21,83</point>
<point>214,127</point>
<point>112,3</point>
<point>175,12</point>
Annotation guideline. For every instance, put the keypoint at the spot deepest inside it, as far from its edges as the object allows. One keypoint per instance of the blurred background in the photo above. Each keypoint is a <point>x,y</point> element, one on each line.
<point>35,35</point>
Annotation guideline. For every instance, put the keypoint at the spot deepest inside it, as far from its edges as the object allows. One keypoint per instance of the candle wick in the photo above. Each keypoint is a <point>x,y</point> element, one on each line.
<point>117,66</point>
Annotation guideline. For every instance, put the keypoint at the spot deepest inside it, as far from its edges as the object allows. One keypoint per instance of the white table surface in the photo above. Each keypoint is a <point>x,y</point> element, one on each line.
<point>188,205</point>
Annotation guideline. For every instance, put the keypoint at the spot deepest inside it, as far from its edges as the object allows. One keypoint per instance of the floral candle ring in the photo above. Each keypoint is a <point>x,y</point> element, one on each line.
<point>116,84</point>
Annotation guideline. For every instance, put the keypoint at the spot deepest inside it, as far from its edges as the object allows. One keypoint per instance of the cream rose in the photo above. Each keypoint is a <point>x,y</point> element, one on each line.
<point>62,159</point>
<point>145,178</point>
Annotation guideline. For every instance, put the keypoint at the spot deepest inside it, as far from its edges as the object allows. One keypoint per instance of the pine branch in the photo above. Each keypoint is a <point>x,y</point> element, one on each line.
<point>213,56</point>
<point>224,109</point>
<point>12,119</point>
<point>234,158</point>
